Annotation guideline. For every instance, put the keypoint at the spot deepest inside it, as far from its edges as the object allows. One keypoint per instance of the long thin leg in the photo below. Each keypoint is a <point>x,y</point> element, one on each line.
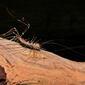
<point>15,30</point>
<point>10,12</point>
<point>33,39</point>
<point>28,26</point>
<point>7,33</point>
<point>11,31</point>
<point>10,37</point>
<point>16,33</point>
<point>19,20</point>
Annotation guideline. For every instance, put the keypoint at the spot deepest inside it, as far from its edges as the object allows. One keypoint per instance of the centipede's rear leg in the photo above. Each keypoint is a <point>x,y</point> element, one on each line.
<point>8,34</point>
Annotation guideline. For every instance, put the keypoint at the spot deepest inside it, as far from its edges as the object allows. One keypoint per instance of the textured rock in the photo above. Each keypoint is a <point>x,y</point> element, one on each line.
<point>32,67</point>
<point>2,76</point>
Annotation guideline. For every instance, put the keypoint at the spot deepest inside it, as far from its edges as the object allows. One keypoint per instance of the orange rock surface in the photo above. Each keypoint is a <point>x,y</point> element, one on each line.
<point>25,66</point>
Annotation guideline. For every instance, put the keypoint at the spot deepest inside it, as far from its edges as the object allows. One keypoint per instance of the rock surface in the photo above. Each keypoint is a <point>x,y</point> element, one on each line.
<point>25,66</point>
<point>2,76</point>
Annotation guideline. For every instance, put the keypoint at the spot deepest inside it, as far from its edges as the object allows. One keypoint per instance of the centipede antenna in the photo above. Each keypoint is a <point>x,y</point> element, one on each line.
<point>48,42</point>
<point>71,48</point>
<point>68,48</point>
<point>65,47</point>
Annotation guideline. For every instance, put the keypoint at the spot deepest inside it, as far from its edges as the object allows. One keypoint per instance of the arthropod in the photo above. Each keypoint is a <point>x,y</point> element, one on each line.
<point>17,37</point>
<point>30,44</point>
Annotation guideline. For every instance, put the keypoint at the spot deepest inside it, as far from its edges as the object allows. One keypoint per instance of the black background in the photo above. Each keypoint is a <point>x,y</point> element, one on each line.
<point>60,20</point>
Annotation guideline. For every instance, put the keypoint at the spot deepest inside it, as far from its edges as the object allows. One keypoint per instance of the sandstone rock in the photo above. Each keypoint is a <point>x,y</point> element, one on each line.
<point>25,66</point>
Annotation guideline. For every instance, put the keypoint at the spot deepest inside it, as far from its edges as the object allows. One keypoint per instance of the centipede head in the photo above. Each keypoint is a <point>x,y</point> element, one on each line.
<point>36,46</point>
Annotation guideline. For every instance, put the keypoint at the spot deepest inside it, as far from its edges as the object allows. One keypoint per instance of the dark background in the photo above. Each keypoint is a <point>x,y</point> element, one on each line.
<point>60,20</point>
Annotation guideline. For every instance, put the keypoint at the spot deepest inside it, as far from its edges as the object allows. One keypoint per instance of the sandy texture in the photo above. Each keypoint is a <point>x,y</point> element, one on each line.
<point>24,66</point>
